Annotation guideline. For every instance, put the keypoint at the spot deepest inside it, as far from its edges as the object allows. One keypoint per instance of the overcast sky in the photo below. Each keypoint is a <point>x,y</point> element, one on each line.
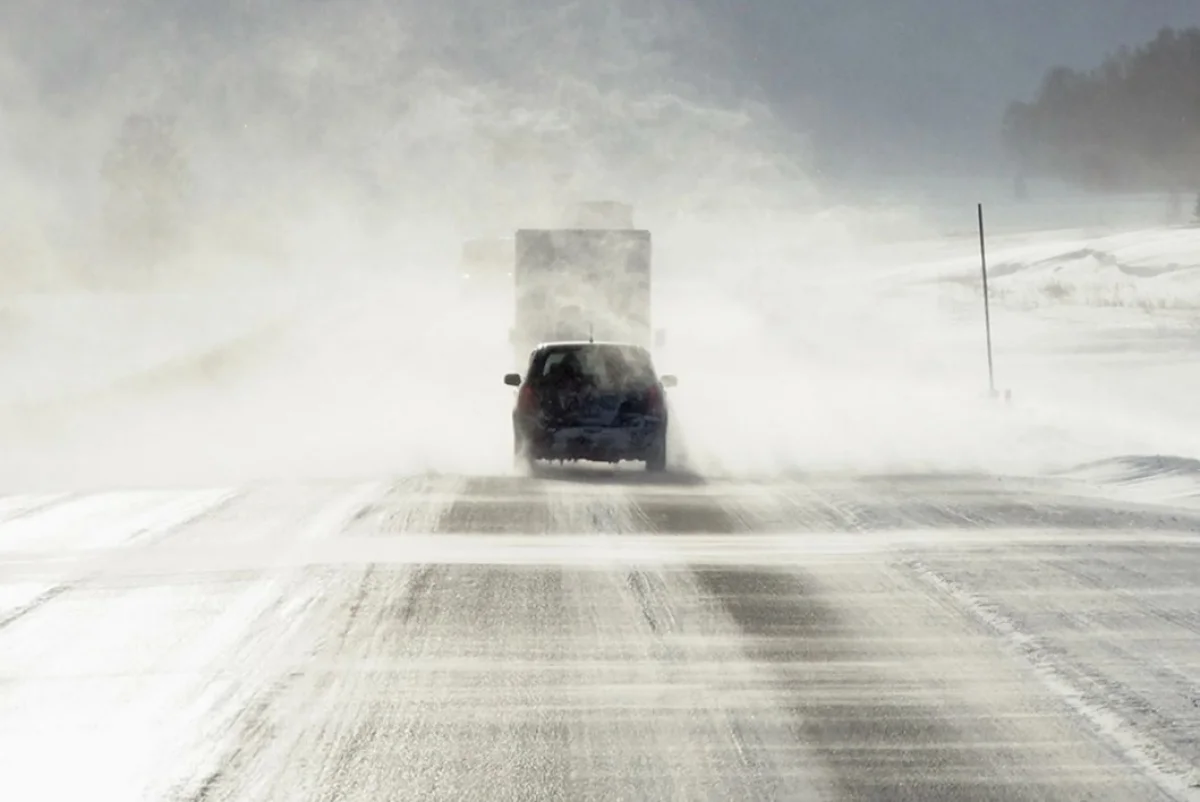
<point>926,77</point>
<point>875,85</point>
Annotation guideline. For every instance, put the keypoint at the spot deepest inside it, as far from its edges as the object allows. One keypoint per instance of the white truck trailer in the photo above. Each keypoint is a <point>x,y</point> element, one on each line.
<point>591,280</point>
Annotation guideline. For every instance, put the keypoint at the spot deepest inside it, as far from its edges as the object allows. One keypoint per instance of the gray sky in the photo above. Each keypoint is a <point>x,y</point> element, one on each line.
<point>927,79</point>
<point>374,86</point>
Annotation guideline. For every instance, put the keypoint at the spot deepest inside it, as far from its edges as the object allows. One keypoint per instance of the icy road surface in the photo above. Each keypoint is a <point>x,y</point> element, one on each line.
<point>585,634</point>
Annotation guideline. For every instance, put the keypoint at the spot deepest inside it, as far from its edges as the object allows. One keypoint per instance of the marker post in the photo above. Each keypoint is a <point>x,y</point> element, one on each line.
<point>987,310</point>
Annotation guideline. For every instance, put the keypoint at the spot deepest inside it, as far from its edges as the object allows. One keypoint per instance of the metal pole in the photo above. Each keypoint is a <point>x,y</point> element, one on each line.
<point>987,312</point>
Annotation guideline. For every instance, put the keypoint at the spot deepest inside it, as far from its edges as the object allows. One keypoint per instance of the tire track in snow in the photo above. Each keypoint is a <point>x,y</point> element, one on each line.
<point>1083,694</point>
<point>153,708</point>
<point>46,596</point>
<point>945,502</point>
<point>377,613</point>
<point>15,507</point>
<point>162,517</point>
<point>238,728</point>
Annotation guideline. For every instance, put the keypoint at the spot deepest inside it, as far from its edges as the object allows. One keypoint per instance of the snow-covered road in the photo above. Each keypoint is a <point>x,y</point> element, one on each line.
<point>595,634</point>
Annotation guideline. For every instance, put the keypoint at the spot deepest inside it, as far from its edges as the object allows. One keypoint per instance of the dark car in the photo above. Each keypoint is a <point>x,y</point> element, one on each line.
<point>601,402</point>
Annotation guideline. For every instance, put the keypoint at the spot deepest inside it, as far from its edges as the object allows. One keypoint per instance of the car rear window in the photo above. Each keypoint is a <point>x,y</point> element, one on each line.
<point>606,367</point>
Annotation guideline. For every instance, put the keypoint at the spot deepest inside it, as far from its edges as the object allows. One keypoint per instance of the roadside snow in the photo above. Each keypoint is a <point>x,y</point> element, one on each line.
<point>1121,658</point>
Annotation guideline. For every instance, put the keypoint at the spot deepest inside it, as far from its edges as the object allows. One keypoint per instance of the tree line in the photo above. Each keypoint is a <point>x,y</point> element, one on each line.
<point>1131,124</point>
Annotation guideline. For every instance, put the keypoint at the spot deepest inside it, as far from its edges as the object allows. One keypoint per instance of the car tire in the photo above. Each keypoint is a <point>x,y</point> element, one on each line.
<point>522,459</point>
<point>656,460</point>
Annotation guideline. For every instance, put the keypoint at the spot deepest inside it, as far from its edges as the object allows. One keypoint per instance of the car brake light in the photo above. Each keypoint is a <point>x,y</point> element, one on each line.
<point>654,399</point>
<point>526,399</point>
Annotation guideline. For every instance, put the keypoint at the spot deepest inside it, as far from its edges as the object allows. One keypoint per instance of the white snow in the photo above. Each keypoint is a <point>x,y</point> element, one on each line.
<point>1123,659</point>
<point>839,345</point>
<point>105,520</point>
<point>836,353</point>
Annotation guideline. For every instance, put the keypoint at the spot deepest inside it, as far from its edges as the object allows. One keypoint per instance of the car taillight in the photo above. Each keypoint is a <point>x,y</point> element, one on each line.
<point>526,399</point>
<point>654,398</point>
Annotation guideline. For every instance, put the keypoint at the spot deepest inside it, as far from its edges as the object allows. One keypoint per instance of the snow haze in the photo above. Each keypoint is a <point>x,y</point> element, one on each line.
<point>306,317</point>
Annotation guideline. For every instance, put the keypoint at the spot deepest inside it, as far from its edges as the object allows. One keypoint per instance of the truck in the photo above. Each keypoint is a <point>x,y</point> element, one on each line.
<point>588,281</point>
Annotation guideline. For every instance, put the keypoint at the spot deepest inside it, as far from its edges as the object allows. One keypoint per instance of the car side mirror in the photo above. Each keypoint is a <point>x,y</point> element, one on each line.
<point>512,379</point>
<point>669,380</point>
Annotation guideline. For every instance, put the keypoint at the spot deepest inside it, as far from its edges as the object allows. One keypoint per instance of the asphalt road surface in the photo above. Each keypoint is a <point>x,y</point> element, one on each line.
<point>586,634</point>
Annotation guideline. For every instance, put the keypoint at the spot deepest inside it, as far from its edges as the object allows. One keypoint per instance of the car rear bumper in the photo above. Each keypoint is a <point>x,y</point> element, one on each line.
<point>595,443</point>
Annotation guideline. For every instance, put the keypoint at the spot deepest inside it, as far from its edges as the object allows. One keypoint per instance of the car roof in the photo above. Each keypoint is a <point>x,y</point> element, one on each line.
<point>579,343</point>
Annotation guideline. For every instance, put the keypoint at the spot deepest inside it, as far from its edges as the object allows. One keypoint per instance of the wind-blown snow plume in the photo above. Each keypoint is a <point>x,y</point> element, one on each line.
<point>333,157</point>
<point>374,115</point>
<point>324,162</point>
